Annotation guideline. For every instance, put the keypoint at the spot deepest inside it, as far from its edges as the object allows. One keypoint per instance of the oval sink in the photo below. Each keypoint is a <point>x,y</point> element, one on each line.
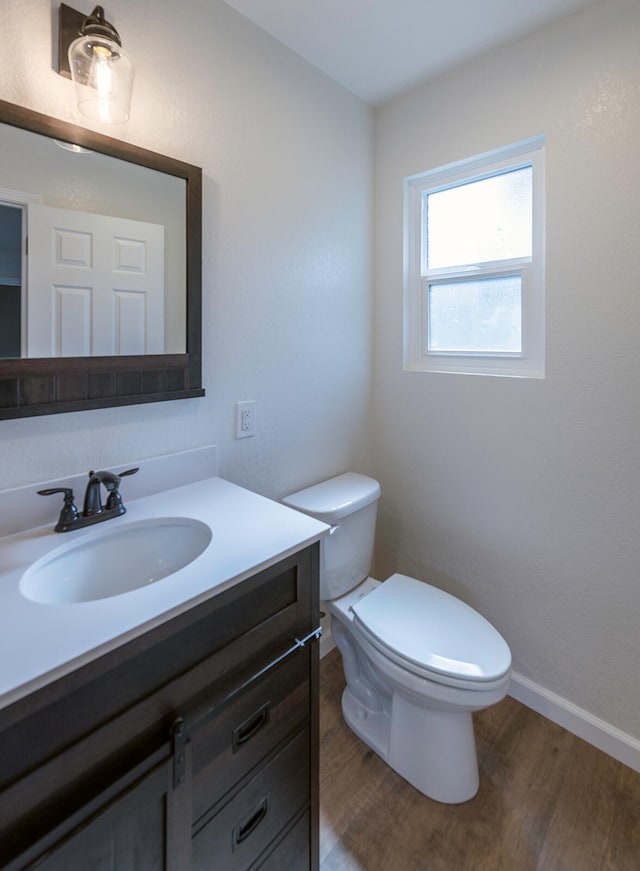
<point>115,561</point>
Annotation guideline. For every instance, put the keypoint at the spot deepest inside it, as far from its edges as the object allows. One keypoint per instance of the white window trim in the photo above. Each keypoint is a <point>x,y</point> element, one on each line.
<point>529,363</point>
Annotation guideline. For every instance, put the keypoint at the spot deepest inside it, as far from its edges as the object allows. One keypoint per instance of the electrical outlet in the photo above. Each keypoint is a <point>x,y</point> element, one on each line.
<point>245,419</point>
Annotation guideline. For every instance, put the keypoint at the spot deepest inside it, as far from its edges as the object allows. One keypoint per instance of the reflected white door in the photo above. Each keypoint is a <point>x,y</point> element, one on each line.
<point>95,285</point>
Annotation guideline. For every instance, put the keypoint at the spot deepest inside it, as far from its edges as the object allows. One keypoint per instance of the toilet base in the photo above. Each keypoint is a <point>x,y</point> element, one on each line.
<point>433,750</point>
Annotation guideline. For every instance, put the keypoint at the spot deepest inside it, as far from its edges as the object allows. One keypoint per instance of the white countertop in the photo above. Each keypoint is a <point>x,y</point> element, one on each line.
<point>39,643</point>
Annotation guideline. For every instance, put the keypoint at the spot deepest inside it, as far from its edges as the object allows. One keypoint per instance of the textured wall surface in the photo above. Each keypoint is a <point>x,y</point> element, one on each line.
<point>523,496</point>
<point>287,158</point>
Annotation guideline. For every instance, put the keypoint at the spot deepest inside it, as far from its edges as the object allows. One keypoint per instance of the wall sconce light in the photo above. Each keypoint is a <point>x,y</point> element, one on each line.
<point>90,52</point>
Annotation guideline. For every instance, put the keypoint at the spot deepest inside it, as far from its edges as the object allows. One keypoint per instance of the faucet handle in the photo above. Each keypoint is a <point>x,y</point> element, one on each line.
<point>68,493</point>
<point>129,472</point>
<point>69,513</point>
<point>115,499</point>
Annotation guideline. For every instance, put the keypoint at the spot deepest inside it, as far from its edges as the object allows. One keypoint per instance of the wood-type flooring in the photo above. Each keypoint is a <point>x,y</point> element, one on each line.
<point>548,801</point>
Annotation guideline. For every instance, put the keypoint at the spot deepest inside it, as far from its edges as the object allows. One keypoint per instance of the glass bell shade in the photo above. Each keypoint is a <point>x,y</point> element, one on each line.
<point>102,73</point>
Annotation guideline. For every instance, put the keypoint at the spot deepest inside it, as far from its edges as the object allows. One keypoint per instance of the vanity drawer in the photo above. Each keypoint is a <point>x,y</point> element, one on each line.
<point>245,827</point>
<point>236,736</point>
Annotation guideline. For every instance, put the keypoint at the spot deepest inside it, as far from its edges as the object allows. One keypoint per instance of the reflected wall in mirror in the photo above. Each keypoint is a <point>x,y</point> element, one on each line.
<point>100,270</point>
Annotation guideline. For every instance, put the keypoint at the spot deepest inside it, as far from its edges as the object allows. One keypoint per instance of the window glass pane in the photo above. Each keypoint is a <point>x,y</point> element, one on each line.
<point>481,221</point>
<point>482,316</point>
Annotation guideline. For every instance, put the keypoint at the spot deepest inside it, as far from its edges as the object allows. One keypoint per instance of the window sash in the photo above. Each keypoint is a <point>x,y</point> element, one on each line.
<point>521,220</point>
<point>520,271</point>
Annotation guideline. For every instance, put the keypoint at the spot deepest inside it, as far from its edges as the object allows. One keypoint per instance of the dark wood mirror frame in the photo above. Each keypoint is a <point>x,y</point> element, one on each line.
<point>30,387</point>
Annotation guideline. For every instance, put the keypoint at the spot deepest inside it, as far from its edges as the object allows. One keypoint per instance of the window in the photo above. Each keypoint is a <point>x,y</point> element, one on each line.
<point>474,292</point>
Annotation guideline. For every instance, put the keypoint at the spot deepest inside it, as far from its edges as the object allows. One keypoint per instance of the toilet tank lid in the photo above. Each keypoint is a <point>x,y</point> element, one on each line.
<point>336,498</point>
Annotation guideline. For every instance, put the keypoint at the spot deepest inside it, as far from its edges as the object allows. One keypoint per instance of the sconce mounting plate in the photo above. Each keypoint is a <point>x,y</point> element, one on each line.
<point>69,23</point>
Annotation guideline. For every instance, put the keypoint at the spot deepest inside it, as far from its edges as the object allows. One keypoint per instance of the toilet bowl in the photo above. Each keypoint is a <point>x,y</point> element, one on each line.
<point>417,661</point>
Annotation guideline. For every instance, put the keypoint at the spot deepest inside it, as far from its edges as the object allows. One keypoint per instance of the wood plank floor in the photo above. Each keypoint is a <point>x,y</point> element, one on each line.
<point>547,801</point>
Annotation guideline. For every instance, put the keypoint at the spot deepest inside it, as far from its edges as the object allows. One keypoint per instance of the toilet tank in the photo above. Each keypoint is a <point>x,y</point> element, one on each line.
<point>348,503</point>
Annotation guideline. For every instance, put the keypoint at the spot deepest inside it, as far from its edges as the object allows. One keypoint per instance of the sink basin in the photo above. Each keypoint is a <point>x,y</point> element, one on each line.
<point>115,561</point>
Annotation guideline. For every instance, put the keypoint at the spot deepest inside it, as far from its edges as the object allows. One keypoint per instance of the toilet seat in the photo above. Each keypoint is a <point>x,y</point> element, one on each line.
<point>431,634</point>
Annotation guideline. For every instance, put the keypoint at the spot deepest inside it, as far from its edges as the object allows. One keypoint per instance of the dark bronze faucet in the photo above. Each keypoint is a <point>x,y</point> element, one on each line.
<point>93,510</point>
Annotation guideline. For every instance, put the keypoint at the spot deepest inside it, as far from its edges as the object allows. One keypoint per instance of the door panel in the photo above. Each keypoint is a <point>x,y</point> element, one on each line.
<point>95,285</point>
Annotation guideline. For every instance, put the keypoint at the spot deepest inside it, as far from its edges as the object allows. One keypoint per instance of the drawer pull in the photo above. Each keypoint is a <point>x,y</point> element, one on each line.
<point>245,731</point>
<point>242,832</point>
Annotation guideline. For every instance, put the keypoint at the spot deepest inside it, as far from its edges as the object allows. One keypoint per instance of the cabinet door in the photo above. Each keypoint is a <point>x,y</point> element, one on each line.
<point>132,831</point>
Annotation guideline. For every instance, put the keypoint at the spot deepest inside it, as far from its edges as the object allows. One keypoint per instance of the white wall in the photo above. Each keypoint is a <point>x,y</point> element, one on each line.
<point>287,157</point>
<point>523,496</point>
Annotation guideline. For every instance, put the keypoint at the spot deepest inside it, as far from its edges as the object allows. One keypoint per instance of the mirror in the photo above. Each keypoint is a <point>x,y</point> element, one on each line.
<point>105,307</point>
<point>117,264</point>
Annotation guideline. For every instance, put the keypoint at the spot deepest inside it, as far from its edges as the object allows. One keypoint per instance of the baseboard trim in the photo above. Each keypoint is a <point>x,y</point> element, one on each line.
<point>593,730</point>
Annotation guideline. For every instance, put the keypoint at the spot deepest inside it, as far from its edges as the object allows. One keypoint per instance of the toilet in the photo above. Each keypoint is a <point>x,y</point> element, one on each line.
<point>417,661</point>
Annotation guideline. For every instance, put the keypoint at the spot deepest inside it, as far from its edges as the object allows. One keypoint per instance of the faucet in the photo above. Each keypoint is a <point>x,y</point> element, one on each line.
<point>93,510</point>
<point>92,499</point>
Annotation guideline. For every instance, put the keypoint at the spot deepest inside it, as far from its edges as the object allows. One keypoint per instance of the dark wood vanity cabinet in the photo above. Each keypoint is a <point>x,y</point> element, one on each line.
<point>192,746</point>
